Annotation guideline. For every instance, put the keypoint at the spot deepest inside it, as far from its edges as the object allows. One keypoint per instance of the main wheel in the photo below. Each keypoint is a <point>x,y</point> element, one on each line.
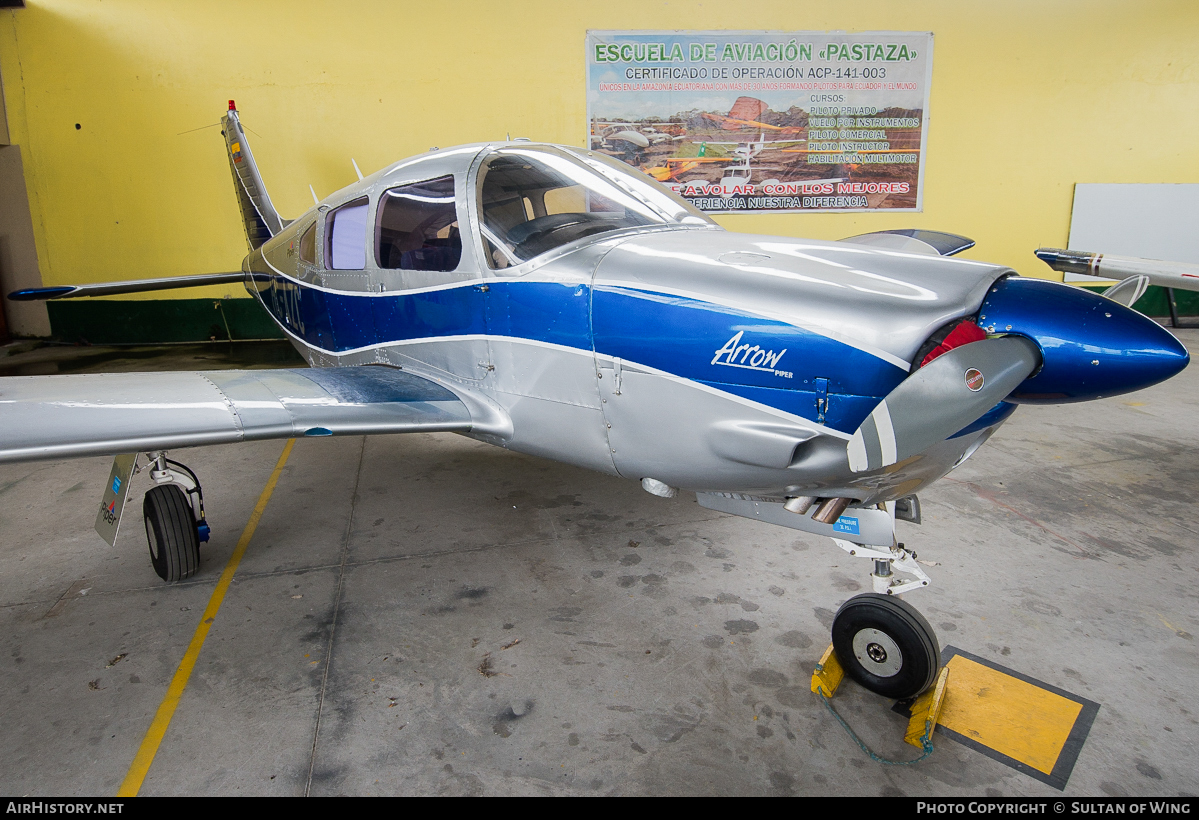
<point>171,532</point>
<point>886,645</point>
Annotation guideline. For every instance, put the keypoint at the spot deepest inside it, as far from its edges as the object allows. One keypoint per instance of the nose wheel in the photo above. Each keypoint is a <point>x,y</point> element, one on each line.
<point>884,644</point>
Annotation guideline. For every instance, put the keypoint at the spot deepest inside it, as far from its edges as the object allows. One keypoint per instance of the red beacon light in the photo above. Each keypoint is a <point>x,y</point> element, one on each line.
<point>232,105</point>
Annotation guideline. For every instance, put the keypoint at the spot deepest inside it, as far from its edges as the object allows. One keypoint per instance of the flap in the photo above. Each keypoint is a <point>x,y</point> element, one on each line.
<point>47,417</point>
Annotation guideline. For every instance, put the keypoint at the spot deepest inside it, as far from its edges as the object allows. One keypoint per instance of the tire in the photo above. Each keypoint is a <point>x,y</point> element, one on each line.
<point>885,645</point>
<point>171,533</point>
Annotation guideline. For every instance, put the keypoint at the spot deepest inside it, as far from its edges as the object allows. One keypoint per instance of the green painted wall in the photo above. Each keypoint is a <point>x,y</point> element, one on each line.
<point>1154,303</point>
<point>159,320</point>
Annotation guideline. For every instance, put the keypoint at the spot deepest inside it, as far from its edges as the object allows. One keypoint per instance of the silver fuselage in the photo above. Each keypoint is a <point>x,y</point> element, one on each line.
<point>709,360</point>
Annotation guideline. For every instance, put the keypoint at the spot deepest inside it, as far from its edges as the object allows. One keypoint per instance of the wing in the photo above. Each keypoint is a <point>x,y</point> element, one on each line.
<point>1182,275</point>
<point>44,417</point>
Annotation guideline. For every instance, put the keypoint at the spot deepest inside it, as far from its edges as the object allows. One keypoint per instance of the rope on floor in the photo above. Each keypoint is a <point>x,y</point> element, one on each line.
<point>926,742</point>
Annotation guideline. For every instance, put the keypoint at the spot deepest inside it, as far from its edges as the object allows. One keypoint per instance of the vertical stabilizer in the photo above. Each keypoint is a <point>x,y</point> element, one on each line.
<point>258,215</point>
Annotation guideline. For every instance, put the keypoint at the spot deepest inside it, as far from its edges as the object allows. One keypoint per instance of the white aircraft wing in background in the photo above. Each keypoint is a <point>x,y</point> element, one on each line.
<point>1135,275</point>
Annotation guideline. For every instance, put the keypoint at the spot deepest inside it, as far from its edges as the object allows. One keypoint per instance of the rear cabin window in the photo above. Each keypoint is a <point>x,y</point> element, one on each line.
<point>417,227</point>
<point>346,230</point>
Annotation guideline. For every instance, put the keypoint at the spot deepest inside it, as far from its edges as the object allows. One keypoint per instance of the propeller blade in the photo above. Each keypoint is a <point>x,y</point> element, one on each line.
<point>941,398</point>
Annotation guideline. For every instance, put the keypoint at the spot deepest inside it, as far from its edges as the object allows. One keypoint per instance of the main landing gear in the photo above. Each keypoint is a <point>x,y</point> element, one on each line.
<point>174,515</point>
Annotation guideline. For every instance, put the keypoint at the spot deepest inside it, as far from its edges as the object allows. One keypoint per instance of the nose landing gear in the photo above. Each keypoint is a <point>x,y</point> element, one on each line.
<point>884,643</point>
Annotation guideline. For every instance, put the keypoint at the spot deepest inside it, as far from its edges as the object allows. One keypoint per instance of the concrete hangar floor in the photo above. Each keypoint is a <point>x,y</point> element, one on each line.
<point>429,615</point>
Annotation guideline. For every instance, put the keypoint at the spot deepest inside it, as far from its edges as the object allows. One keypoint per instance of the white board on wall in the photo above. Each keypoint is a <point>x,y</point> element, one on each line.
<point>1149,221</point>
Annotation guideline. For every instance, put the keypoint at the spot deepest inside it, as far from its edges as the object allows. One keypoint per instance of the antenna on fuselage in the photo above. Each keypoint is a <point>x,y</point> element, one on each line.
<point>356,171</point>
<point>315,201</point>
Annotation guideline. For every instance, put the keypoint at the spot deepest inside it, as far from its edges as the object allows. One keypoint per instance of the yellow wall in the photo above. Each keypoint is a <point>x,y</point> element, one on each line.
<point>1028,97</point>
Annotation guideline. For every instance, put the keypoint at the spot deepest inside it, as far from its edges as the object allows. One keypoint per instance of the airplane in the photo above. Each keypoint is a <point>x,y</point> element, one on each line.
<point>553,301</point>
<point>641,135</point>
<point>736,177</point>
<point>623,137</point>
<point>665,173</point>
<point>749,149</point>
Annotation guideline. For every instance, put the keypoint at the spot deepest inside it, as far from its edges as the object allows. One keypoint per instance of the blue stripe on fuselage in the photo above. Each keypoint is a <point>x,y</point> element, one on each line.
<point>673,334</point>
<point>745,354</point>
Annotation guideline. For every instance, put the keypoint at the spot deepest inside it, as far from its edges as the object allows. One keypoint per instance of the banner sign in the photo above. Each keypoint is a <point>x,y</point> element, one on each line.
<point>753,121</point>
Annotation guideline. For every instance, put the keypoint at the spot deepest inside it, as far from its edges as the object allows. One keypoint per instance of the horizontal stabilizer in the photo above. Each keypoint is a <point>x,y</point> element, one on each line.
<point>132,286</point>
<point>914,240</point>
<point>939,399</point>
<point>49,417</point>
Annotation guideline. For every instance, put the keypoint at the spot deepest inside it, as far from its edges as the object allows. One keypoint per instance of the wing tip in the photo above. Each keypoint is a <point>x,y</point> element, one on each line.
<point>37,294</point>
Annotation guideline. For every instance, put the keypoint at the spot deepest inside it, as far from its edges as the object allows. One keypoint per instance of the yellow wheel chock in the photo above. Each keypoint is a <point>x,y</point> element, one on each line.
<point>828,674</point>
<point>925,710</point>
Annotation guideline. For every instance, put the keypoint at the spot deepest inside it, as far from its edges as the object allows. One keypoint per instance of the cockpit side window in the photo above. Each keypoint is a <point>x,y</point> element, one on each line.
<point>346,230</point>
<point>417,227</point>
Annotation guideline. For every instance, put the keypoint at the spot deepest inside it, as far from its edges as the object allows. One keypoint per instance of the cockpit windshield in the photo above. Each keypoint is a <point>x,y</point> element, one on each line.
<point>535,199</point>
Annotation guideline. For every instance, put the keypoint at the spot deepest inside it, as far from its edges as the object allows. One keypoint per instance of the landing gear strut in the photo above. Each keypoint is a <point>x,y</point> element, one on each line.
<point>174,515</point>
<point>883,643</point>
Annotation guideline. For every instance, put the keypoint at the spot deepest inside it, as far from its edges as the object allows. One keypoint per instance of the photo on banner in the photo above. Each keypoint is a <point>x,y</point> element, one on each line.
<point>766,122</point>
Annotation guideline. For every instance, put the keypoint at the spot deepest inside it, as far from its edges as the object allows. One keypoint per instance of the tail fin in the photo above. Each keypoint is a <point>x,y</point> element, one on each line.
<point>259,216</point>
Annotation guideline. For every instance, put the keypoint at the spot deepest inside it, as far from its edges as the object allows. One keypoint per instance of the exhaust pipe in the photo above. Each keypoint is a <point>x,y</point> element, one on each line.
<point>800,504</point>
<point>830,509</point>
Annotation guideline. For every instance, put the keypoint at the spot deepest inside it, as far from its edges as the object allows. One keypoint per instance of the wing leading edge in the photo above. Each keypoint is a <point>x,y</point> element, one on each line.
<point>48,417</point>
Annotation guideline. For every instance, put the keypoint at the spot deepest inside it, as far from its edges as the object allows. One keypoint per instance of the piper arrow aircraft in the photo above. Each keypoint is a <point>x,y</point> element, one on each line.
<point>553,301</point>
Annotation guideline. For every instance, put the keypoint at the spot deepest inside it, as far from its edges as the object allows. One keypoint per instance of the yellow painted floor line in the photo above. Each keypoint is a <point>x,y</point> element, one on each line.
<point>166,710</point>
